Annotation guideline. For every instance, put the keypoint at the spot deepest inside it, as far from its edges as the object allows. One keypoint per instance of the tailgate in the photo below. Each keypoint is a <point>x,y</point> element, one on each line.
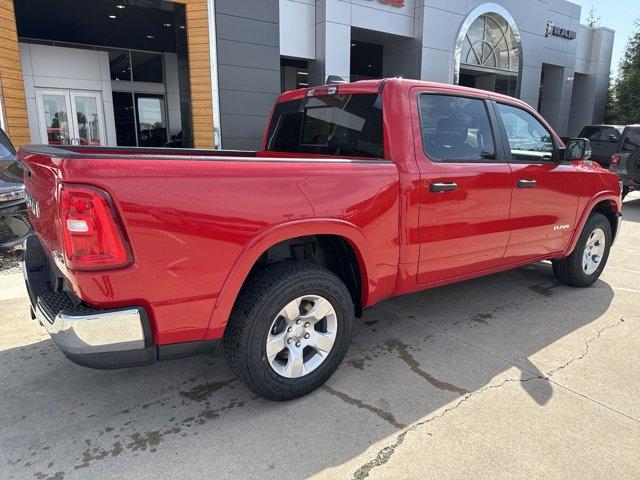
<point>41,178</point>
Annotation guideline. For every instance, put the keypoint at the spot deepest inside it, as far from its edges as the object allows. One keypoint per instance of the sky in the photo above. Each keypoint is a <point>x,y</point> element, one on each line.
<point>620,15</point>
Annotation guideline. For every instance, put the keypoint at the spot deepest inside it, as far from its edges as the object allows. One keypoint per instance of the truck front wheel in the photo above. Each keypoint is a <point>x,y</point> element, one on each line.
<point>585,264</point>
<point>289,330</point>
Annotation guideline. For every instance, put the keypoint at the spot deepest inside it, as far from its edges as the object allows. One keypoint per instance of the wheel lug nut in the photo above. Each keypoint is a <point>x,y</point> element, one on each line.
<point>307,324</point>
<point>289,329</point>
<point>298,321</point>
<point>306,335</point>
<point>289,340</point>
<point>297,344</point>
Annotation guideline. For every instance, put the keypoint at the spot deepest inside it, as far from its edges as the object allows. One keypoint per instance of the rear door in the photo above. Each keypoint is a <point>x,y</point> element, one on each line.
<point>545,190</point>
<point>465,186</point>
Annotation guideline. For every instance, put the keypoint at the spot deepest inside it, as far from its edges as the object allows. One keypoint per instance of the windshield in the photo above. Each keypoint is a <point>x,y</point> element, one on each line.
<point>349,125</point>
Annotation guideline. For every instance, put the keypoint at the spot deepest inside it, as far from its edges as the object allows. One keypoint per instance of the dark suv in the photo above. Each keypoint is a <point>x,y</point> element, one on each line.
<point>14,221</point>
<point>617,148</point>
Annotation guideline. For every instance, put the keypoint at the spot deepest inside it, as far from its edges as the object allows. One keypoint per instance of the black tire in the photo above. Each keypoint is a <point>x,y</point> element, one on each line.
<point>259,303</point>
<point>570,270</point>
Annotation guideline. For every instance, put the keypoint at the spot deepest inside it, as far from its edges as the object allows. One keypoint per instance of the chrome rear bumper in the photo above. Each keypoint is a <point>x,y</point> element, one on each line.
<point>93,338</point>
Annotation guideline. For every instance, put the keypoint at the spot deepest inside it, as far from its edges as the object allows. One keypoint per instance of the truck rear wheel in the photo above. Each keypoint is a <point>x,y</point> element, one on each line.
<point>589,257</point>
<point>289,330</point>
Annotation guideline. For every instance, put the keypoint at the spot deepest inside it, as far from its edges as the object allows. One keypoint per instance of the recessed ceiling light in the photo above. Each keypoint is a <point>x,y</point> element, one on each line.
<point>182,27</point>
<point>167,24</point>
<point>150,36</point>
<point>112,17</point>
<point>120,6</point>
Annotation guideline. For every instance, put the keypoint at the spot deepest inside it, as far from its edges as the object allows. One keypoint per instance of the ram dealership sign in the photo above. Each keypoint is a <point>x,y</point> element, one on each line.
<point>558,32</point>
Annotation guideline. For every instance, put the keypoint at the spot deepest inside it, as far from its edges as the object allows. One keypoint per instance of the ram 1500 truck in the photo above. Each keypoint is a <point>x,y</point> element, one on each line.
<point>360,192</point>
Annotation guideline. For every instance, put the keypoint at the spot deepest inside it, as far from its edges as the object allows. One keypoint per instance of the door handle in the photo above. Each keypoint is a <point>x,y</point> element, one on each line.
<point>443,187</point>
<point>526,183</point>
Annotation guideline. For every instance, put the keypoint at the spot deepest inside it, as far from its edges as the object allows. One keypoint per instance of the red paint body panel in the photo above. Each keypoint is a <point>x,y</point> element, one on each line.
<point>197,221</point>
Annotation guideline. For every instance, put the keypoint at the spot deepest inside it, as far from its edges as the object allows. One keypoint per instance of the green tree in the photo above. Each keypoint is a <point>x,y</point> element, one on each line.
<point>625,93</point>
<point>612,112</point>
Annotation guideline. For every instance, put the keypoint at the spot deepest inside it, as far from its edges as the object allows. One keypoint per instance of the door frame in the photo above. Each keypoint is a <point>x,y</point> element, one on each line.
<point>42,124</point>
<point>101,119</point>
<point>68,94</point>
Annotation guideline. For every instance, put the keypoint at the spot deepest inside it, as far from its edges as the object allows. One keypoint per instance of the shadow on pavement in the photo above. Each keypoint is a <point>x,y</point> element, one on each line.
<point>409,357</point>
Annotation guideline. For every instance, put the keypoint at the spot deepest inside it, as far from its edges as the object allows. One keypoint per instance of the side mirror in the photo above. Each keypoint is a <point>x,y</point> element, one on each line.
<point>578,149</point>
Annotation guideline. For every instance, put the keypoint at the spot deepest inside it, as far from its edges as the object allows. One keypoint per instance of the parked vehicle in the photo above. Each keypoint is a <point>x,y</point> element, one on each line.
<point>14,220</point>
<point>626,160</point>
<point>604,141</point>
<point>360,192</point>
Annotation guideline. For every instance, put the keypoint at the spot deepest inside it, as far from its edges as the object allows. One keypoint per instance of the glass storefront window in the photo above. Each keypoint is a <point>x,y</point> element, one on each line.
<point>124,115</point>
<point>152,124</point>
<point>147,67</point>
<point>119,65</point>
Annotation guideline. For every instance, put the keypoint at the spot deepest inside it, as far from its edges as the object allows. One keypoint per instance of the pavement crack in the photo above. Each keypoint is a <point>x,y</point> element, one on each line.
<point>383,414</point>
<point>412,363</point>
<point>587,345</point>
<point>385,454</point>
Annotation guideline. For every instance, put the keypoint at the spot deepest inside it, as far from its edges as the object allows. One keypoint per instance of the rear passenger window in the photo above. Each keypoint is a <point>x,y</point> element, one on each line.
<point>601,134</point>
<point>529,140</point>
<point>455,129</point>
<point>631,140</point>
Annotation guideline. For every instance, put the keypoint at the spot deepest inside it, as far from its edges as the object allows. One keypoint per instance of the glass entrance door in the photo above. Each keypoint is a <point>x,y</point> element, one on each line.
<point>70,117</point>
<point>53,110</point>
<point>87,114</point>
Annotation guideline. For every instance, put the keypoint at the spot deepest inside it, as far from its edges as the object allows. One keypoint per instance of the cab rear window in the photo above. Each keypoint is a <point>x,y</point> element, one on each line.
<point>346,125</point>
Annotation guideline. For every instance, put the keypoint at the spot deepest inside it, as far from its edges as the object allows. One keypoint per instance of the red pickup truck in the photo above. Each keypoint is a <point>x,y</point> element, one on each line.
<point>360,192</point>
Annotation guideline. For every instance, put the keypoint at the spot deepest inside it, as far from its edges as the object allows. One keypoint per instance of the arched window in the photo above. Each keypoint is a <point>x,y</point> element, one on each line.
<point>490,43</point>
<point>488,51</point>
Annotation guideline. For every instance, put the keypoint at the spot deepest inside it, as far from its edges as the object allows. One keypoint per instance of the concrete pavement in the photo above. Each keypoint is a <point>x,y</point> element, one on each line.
<point>507,376</point>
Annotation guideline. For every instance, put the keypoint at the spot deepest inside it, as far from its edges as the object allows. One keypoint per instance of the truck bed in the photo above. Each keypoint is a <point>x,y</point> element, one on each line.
<point>189,214</point>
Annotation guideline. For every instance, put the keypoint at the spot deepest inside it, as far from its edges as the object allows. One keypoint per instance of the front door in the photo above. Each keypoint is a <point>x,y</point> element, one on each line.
<point>70,117</point>
<point>545,190</point>
<point>466,187</point>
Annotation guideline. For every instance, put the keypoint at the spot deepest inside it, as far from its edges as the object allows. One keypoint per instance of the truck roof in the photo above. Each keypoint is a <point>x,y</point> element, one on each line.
<point>373,86</point>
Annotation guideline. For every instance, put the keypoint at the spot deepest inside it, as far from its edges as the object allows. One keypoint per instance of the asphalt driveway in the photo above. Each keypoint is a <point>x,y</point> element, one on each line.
<point>508,376</point>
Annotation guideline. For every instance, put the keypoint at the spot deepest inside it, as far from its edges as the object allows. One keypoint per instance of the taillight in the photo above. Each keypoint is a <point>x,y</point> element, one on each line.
<point>614,161</point>
<point>92,236</point>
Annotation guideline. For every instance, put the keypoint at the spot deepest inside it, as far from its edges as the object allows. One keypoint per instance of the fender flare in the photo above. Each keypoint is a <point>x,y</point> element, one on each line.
<point>279,233</point>
<point>603,196</point>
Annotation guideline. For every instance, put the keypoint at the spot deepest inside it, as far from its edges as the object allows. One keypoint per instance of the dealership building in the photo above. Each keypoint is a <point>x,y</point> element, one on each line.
<point>205,73</point>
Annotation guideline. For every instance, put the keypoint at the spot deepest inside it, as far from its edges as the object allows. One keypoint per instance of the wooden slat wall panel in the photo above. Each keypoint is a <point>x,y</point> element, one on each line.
<point>199,73</point>
<point>12,87</point>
